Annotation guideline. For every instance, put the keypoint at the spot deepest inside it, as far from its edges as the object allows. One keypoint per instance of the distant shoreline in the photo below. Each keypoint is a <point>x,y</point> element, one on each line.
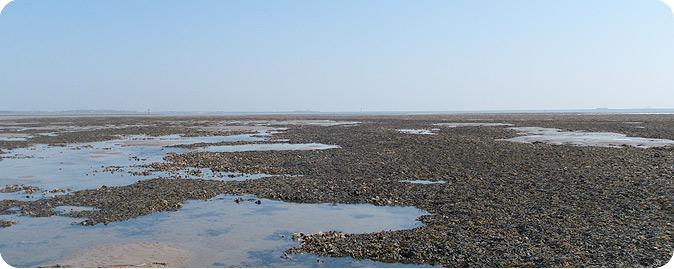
<point>95,113</point>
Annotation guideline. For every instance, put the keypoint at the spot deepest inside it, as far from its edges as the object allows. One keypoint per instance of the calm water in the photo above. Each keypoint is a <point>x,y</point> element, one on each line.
<point>216,233</point>
<point>580,138</point>
<point>83,166</point>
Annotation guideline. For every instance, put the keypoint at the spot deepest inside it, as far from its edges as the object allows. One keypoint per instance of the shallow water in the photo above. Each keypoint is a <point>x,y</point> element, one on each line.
<point>14,137</point>
<point>580,138</point>
<point>23,196</point>
<point>73,167</point>
<point>91,165</point>
<point>218,232</point>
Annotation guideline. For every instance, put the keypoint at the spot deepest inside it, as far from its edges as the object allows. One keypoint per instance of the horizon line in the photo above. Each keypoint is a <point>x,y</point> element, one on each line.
<point>83,112</point>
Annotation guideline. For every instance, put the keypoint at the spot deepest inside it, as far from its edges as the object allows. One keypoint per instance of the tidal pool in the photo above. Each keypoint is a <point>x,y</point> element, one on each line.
<point>91,165</point>
<point>580,138</point>
<point>14,137</point>
<point>216,233</point>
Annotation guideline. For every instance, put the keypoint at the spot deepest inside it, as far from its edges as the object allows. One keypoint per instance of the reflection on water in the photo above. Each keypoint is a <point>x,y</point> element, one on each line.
<point>14,137</point>
<point>110,163</point>
<point>74,166</point>
<point>23,196</point>
<point>580,138</point>
<point>91,165</point>
<point>218,232</point>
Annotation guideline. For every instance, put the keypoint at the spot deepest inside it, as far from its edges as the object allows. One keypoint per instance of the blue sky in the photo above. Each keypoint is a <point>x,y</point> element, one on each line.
<point>345,55</point>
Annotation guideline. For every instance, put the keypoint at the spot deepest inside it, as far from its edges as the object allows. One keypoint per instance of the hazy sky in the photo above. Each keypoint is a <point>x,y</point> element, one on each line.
<point>338,55</point>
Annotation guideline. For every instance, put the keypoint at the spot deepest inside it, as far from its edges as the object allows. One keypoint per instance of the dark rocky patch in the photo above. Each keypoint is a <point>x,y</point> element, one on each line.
<point>6,223</point>
<point>504,204</point>
<point>18,188</point>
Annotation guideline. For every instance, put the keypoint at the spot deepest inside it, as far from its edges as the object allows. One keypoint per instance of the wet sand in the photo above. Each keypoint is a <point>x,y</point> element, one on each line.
<point>144,254</point>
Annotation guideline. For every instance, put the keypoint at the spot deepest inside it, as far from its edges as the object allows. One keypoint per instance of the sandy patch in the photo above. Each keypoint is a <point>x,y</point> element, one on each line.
<point>144,254</point>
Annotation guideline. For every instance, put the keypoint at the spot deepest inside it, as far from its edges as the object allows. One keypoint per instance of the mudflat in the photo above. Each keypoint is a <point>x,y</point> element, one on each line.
<point>501,202</point>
